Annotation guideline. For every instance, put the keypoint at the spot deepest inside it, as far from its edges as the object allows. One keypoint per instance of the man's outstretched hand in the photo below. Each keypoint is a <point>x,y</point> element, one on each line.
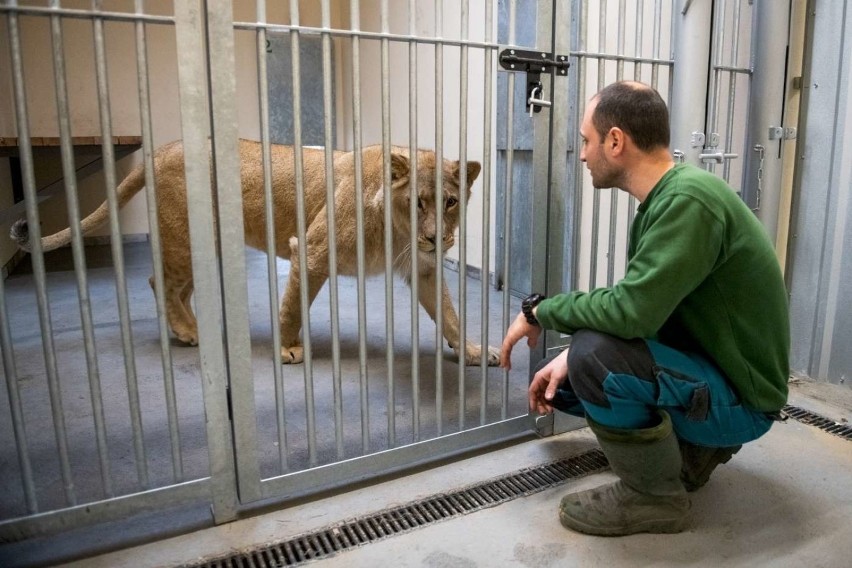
<point>518,329</point>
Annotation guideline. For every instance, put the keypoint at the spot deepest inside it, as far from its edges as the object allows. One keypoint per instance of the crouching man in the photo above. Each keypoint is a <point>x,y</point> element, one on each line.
<point>683,360</point>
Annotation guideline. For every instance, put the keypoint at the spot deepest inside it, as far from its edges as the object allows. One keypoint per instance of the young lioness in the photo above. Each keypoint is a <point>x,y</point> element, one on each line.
<point>174,228</point>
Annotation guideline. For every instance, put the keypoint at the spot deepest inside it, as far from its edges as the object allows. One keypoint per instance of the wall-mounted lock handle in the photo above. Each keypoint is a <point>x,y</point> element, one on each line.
<point>717,157</point>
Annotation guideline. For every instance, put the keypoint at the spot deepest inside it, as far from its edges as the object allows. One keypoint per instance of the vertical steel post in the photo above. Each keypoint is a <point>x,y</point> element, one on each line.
<point>771,23</point>
<point>559,192</point>
<point>691,54</point>
<point>195,120</point>
<point>231,235</point>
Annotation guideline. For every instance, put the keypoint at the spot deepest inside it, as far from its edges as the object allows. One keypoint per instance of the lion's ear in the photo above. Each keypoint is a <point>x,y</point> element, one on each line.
<point>400,168</point>
<point>473,169</point>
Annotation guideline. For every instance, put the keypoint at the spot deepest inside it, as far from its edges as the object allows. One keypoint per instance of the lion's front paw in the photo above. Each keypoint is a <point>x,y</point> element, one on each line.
<point>473,355</point>
<point>292,355</point>
<point>187,335</point>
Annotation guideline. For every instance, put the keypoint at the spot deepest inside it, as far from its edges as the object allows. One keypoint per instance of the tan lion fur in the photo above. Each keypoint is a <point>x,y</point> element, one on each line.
<point>174,228</point>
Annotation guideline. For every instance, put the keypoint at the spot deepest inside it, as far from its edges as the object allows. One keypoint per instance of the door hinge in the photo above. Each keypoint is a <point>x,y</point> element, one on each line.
<point>534,63</point>
<point>779,133</point>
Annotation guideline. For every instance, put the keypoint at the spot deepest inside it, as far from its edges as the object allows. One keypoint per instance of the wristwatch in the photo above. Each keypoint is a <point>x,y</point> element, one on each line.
<point>527,306</point>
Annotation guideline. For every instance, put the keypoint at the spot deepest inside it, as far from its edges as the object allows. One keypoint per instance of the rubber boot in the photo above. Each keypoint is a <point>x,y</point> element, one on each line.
<point>648,497</point>
<point>700,461</point>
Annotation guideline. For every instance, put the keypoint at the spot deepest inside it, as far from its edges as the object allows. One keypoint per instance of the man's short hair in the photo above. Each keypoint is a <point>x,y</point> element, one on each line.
<point>635,108</point>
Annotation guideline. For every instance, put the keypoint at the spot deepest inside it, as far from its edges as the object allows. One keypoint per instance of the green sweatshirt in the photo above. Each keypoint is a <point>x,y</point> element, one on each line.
<point>702,276</point>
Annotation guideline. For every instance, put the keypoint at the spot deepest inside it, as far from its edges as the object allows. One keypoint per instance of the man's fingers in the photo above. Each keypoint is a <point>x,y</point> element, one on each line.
<point>551,390</point>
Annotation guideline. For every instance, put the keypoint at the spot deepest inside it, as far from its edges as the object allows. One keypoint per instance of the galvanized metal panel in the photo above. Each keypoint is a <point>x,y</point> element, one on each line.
<point>311,86</point>
<point>821,240</point>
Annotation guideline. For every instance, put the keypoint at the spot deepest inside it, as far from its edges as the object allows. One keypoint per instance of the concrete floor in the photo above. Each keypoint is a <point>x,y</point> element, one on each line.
<point>785,499</point>
<point>185,364</point>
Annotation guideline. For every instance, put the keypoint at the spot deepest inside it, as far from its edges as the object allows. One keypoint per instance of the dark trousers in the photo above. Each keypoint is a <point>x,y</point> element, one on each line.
<point>620,383</point>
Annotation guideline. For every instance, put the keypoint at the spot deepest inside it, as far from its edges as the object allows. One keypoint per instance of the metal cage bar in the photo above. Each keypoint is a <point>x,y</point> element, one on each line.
<point>507,203</point>
<point>143,87</point>
<point>271,265</point>
<point>116,247</point>
<point>439,219</point>
<point>388,226</point>
<point>487,136</point>
<point>69,175</point>
<point>15,406</point>
<point>332,230</point>
<point>301,224</point>
<point>355,16</point>
<point>413,214</point>
<point>463,95</point>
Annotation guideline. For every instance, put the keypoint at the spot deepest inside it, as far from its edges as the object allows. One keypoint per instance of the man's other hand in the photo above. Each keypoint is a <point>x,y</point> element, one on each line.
<point>546,381</point>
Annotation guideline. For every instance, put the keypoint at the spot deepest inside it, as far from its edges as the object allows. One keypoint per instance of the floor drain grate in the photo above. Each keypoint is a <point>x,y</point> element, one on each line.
<point>364,530</point>
<point>357,532</point>
<point>821,422</point>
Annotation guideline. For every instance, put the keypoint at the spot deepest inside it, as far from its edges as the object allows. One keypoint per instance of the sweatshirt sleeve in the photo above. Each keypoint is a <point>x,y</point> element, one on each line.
<point>677,249</point>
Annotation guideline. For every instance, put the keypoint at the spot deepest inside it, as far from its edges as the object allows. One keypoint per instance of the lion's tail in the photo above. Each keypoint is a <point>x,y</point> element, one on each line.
<point>129,187</point>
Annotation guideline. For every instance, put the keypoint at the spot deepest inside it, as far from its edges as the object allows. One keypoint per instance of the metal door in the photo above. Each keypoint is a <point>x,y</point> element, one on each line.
<point>728,99</point>
<point>724,85</point>
<point>358,407</point>
<point>609,41</point>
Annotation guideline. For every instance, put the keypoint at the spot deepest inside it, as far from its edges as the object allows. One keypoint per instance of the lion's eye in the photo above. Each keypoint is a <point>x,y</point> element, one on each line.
<point>420,204</point>
<point>451,202</point>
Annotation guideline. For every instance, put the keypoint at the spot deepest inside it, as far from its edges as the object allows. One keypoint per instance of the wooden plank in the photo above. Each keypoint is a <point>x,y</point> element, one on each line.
<point>53,141</point>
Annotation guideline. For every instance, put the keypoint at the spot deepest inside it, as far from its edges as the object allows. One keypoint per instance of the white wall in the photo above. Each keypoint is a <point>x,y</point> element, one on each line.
<point>78,46</point>
<point>162,60</point>
<point>371,80</point>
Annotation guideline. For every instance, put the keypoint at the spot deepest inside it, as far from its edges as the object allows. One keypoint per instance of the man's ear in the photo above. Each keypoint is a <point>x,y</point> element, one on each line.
<point>616,139</point>
<point>400,170</point>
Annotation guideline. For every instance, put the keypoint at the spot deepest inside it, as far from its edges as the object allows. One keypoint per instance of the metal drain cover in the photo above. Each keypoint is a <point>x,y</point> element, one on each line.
<point>364,530</point>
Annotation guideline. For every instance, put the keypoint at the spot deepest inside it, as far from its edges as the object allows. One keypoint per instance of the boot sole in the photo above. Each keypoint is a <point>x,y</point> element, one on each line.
<point>670,526</point>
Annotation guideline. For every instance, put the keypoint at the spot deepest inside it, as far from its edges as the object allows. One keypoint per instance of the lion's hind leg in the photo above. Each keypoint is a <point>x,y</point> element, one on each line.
<point>178,310</point>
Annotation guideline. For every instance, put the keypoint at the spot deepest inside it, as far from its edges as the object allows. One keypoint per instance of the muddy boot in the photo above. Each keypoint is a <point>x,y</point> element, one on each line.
<point>648,497</point>
<point>700,461</point>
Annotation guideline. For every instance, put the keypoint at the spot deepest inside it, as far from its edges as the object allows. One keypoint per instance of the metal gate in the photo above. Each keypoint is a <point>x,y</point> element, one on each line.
<point>109,415</point>
<point>139,422</point>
